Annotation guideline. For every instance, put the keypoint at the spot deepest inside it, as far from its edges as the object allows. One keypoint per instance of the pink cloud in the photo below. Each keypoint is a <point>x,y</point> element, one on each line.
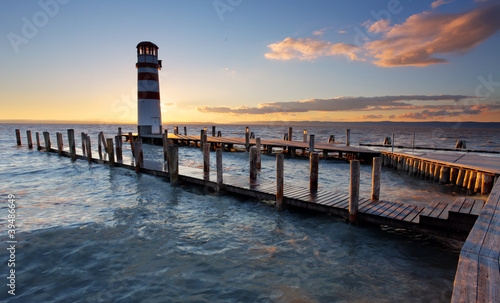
<point>438,3</point>
<point>423,36</point>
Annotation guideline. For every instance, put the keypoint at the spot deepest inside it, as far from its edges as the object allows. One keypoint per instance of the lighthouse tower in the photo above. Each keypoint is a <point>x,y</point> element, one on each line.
<point>148,89</point>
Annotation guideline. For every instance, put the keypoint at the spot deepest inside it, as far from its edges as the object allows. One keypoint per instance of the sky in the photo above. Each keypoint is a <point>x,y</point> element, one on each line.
<point>227,61</point>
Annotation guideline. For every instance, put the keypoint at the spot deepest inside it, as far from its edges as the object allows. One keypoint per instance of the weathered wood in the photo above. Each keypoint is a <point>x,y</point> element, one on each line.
<point>220,180</point>
<point>304,139</point>
<point>30,142</point>
<point>164,137</point>
<point>253,163</point>
<point>376,173</point>
<point>444,177</point>
<point>88,146</point>
<point>258,146</point>
<point>290,134</point>
<point>59,139</point>
<point>118,147</point>
<point>331,139</point>
<point>46,137</point>
<point>279,182</point>
<point>219,134</point>
<point>84,149</point>
<point>37,136</point>
<point>138,158</point>
<point>437,172</point>
<point>479,181</point>
<point>213,131</point>
<point>472,181</point>
<point>99,145</point>
<point>313,171</point>
<point>348,137</point>
<point>18,137</point>
<point>132,146</point>
<point>71,144</point>
<point>354,191</point>
<point>185,131</point>
<point>110,151</point>
<point>176,130</point>
<point>206,159</point>
<point>311,144</point>
<point>247,139</point>
<point>487,184</point>
<point>173,165</point>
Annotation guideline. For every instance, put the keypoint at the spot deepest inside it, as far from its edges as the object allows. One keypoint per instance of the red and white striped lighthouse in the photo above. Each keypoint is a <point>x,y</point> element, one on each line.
<point>148,89</point>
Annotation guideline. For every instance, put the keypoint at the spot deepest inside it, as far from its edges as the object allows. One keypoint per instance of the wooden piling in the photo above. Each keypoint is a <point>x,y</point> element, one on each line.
<point>437,172</point>
<point>88,146</point>
<point>311,144</point>
<point>71,144</point>
<point>38,146</point>
<point>176,130</point>
<point>218,160</point>
<point>460,177</point>
<point>257,145</point>
<point>472,181</point>
<point>131,141</point>
<point>118,147</point>
<point>173,164</point>
<point>84,150</point>
<point>185,131</point>
<point>30,142</point>
<point>444,177</point>
<point>138,156</point>
<point>313,171</point>
<point>465,184</point>
<point>213,131</point>
<point>219,134</point>
<point>247,139</point>
<point>59,139</point>
<point>290,134</point>
<point>18,137</point>
<point>354,191</point>
<point>110,151</point>
<point>99,145</point>
<point>305,136</point>
<point>331,139</point>
<point>377,171</point>
<point>487,184</point>
<point>46,137</point>
<point>164,138</point>
<point>202,135</point>
<point>206,159</point>
<point>253,164</point>
<point>454,174</point>
<point>392,143</point>
<point>119,131</point>
<point>348,137</point>
<point>279,182</point>
<point>479,180</point>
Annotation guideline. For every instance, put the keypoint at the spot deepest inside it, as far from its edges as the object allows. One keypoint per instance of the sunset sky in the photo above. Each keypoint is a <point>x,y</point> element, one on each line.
<point>245,60</point>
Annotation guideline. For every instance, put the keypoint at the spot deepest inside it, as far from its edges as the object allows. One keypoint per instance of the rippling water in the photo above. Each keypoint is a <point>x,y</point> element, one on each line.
<point>88,233</point>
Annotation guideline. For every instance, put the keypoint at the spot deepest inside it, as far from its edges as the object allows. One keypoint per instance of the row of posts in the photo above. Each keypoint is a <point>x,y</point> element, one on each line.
<point>472,180</point>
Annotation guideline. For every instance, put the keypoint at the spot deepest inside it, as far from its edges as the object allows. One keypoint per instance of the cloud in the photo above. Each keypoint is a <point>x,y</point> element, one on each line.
<point>334,104</point>
<point>342,31</point>
<point>423,36</point>
<point>432,114</point>
<point>309,49</point>
<point>381,26</point>
<point>320,32</point>
<point>371,117</point>
<point>438,3</point>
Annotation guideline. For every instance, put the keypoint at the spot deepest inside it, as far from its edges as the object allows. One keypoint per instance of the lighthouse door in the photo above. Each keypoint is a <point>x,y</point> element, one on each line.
<point>155,128</point>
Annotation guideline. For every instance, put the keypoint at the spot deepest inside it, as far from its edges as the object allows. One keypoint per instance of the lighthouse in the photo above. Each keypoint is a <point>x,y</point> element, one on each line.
<point>148,89</point>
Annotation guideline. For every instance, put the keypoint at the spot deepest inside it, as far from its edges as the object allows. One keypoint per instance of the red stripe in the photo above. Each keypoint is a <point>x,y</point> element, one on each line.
<point>146,64</point>
<point>147,76</point>
<point>148,95</point>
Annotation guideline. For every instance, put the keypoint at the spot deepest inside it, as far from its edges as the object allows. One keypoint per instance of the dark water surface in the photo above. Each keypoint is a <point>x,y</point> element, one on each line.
<point>87,233</point>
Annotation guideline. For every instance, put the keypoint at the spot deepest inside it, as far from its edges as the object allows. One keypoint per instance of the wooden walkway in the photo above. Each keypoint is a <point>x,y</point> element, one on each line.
<point>478,273</point>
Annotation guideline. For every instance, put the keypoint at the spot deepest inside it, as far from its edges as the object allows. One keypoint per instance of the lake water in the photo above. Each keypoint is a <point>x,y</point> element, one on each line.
<point>88,233</point>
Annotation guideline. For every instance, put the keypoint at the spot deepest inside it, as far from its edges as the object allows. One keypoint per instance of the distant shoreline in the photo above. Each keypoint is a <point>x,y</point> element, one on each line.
<point>434,124</point>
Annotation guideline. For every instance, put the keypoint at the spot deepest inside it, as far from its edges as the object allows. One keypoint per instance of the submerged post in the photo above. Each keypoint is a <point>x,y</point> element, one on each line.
<point>59,139</point>
<point>202,135</point>
<point>218,160</point>
<point>164,137</point>
<point>71,143</point>
<point>131,141</point>
<point>354,191</point>
<point>88,147</point>
<point>206,159</point>
<point>30,142</point>
<point>290,134</point>
<point>185,131</point>
<point>138,155</point>
<point>305,136</point>
<point>213,131</point>
<point>377,169</point>
<point>311,144</point>
<point>392,143</point>
<point>46,137</point>
<point>279,182</point>
<point>247,139</point>
<point>38,146</point>
<point>118,146</point>
<point>84,150</point>
<point>173,164</point>
<point>110,150</point>
<point>257,145</point>
<point>99,145</point>
<point>348,137</point>
<point>253,164</point>
<point>18,137</point>
<point>313,171</point>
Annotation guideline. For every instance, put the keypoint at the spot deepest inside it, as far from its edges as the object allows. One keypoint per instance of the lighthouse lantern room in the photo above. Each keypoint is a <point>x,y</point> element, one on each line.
<point>148,89</point>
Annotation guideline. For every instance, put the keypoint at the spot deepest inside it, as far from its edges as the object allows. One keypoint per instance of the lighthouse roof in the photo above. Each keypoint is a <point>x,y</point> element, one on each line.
<point>147,43</point>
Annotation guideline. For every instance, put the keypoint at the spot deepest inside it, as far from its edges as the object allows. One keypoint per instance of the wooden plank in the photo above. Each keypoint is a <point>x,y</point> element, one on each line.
<point>429,208</point>
<point>436,212</point>
<point>397,211</point>
<point>457,205</point>
<point>414,216</point>
<point>374,209</point>
<point>467,206</point>
<point>465,277</point>
<point>477,207</point>
<point>446,211</point>
<point>390,209</point>
<point>407,211</point>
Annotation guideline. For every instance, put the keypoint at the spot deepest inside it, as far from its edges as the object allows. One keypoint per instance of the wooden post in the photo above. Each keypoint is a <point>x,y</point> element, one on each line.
<point>173,164</point>
<point>258,146</point>
<point>479,181</point>
<point>46,137</point>
<point>247,139</point>
<point>305,136</point>
<point>165,145</point>
<point>416,167</point>
<point>88,147</point>
<point>253,164</point>
<point>331,139</point>
<point>185,131</point>
<point>444,177</point>
<point>348,137</point>
<point>487,184</point>
<point>472,181</point>
<point>206,159</point>
<point>213,131</point>
<point>84,150</point>
<point>71,143</point>
<point>119,131</point>
<point>38,146</point>
<point>430,168</point>
<point>219,133</point>
<point>437,172</point>
<point>279,182</point>
<point>99,145</point>
<point>138,155</point>
<point>59,139</point>
<point>110,151</point>
<point>18,137</point>
<point>377,170</point>
<point>131,141</point>
<point>465,184</point>
<point>354,191</point>
<point>290,134</point>
<point>460,177</point>
<point>176,130</point>
<point>218,160</point>
<point>454,175</point>
<point>313,171</point>
<point>311,144</point>
<point>392,143</point>
<point>118,146</point>
<point>202,135</point>
<point>30,142</point>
